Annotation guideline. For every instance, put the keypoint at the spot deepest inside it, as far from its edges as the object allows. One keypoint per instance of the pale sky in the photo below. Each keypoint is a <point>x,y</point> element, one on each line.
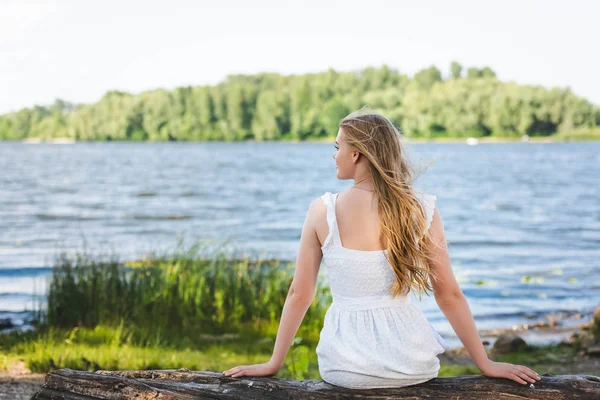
<point>77,50</point>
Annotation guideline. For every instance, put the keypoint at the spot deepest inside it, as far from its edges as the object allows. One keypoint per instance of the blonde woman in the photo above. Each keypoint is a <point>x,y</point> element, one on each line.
<point>379,239</point>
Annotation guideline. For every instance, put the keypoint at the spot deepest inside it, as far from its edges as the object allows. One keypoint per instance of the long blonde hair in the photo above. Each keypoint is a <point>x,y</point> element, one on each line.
<point>401,214</point>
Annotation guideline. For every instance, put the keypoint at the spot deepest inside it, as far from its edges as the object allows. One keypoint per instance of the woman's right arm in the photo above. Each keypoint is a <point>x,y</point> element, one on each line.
<point>453,304</point>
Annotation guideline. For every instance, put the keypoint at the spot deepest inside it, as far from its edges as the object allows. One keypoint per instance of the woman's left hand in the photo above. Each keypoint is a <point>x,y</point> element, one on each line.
<point>253,370</point>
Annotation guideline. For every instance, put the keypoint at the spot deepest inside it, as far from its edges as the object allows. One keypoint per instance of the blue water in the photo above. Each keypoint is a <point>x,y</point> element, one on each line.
<point>510,211</point>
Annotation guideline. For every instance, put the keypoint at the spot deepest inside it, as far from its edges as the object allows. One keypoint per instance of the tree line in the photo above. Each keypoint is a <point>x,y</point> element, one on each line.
<point>270,106</point>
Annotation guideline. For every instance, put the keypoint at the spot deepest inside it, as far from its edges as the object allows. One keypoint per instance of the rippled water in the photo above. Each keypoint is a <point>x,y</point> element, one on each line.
<point>522,219</point>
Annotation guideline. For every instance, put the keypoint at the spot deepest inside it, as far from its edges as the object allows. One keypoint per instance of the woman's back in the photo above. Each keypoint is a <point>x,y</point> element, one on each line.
<point>357,218</point>
<point>370,339</point>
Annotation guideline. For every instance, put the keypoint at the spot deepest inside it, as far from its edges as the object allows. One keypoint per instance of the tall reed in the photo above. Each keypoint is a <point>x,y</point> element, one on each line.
<point>164,298</point>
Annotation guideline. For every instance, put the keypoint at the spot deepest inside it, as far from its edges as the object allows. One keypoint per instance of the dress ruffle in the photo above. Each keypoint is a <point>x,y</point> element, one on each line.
<point>380,347</point>
<point>428,202</point>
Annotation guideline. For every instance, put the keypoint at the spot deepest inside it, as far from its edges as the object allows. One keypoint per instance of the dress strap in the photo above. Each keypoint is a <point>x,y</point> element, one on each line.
<point>335,232</point>
<point>333,235</point>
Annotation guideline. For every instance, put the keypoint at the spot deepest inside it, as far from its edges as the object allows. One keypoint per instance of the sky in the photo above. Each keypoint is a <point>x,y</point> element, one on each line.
<point>78,50</point>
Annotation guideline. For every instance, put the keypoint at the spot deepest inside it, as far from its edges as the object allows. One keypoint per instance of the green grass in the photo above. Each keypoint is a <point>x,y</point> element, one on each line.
<point>538,355</point>
<point>447,371</point>
<point>169,299</point>
<point>176,310</point>
<point>542,359</point>
<point>105,348</point>
<point>578,135</point>
<point>102,313</point>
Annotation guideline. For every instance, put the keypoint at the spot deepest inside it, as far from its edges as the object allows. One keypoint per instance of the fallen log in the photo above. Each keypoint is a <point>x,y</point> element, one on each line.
<point>68,384</point>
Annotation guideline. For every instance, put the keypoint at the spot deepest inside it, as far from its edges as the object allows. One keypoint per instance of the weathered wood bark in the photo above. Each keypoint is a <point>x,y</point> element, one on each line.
<point>68,384</point>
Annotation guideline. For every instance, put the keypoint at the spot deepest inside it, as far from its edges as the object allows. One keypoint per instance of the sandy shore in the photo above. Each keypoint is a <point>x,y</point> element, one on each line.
<point>18,383</point>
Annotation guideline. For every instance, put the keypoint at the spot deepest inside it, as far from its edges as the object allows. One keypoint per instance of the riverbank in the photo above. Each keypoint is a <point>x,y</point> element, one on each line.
<point>147,314</point>
<point>580,135</point>
<point>593,136</point>
<point>17,382</point>
<point>572,356</point>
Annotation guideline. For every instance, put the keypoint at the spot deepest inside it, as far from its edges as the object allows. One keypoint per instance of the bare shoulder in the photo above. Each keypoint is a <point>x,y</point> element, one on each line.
<point>317,208</point>
<point>316,214</point>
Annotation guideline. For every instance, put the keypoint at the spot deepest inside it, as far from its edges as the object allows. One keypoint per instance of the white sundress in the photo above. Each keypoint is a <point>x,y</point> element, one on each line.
<point>369,339</point>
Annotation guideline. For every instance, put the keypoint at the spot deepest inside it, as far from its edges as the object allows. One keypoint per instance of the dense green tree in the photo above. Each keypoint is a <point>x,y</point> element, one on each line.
<point>425,78</point>
<point>487,72</point>
<point>271,116</point>
<point>455,70</point>
<point>473,73</point>
<point>333,111</point>
<point>270,106</point>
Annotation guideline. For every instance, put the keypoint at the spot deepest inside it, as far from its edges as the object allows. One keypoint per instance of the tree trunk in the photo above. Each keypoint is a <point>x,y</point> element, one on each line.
<point>68,384</point>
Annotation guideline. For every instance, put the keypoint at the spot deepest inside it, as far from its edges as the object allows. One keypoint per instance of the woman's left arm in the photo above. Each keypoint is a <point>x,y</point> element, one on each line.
<point>299,298</point>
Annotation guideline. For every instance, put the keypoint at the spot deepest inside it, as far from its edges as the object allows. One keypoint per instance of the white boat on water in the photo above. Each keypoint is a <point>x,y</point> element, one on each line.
<point>32,140</point>
<point>62,141</point>
<point>472,141</point>
<point>53,141</point>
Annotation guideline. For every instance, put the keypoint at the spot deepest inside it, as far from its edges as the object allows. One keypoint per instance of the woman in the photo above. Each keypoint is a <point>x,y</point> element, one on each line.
<point>379,239</point>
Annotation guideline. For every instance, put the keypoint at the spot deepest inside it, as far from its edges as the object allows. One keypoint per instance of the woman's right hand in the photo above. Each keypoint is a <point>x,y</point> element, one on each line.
<point>518,373</point>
